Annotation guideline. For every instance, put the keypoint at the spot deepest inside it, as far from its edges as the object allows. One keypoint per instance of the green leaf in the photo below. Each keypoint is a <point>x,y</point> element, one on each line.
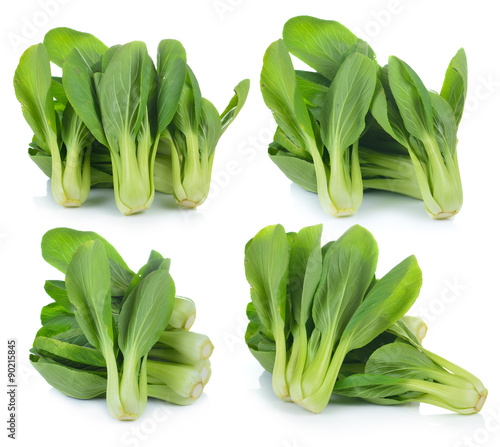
<point>313,77</point>
<point>313,92</point>
<point>142,319</point>
<point>189,109</point>
<point>59,244</point>
<point>171,65</point>
<point>266,268</point>
<point>454,88</point>
<point>210,129</point>
<point>73,336</point>
<point>124,90</point>
<point>387,115</point>
<point>375,388</point>
<point>145,313</point>
<point>72,382</point>
<point>304,271</point>
<point>445,125</point>
<point>282,95</point>
<point>412,98</point>
<point>107,57</point>
<point>348,269</point>
<point>236,104</point>
<point>347,103</point>
<point>75,353</point>
<point>100,179</point>
<point>74,132</point>
<point>41,159</point>
<point>155,262</point>
<point>61,41</point>
<point>402,360</point>
<point>33,87</point>
<point>281,139</point>
<point>387,301</point>
<point>89,290</point>
<point>56,319</point>
<point>297,169</point>
<point>57,291</point>
<point>78,82</point>
<point>58,91</point>
<point>322,44</point>
<point>255,342</point>
<point>163,173</point>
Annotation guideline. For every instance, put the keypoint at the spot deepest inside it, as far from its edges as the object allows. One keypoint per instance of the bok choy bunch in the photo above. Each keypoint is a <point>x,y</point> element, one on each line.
<point>350,124</point>
<point>319,314</point>
<point>321,115</point>
<point>114,332</point>
<point>116,119</point>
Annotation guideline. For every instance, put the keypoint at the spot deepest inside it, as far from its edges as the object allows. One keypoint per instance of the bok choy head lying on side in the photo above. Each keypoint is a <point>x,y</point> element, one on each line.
<point>401,370</point>
<point>114,332</point>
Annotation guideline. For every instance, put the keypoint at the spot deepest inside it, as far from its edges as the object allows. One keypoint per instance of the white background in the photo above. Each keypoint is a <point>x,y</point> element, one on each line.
<point>225,41</point>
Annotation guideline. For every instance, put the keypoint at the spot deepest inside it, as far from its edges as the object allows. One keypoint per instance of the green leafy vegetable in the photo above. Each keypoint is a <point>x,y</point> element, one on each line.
<point>114,332</point>
<point>399,372</point>
<point>115,119</point>
<point>88,285</point>
<point>321,323</point>
<point>62,140</point>
<point>312,116</point>
<point>426,125</point>
<point>190,142</point>
<point>350,124</point>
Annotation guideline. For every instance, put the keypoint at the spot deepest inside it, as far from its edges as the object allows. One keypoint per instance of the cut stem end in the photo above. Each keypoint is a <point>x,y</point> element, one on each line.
<point>344,212</point>
<point>71,204</point>
<point>481,401</point>
<point>197,390</point>
<point>186,203</point>
<point>444,214</point>
<point>135,210</point>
